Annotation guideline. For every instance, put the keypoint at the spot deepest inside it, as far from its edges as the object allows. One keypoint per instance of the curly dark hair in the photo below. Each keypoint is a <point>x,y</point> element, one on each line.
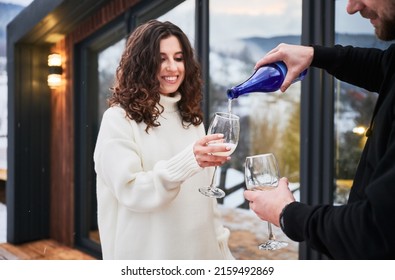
<point>136,86</point>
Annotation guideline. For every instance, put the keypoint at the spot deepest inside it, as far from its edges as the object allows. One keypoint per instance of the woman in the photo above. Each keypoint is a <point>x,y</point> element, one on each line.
<point>151,155</point>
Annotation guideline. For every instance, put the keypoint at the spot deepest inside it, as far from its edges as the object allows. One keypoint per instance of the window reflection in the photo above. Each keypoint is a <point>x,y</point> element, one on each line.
<point>108,60</point>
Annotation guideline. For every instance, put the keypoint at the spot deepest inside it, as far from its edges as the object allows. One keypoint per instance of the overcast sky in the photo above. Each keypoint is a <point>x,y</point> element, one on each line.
<point>18,2</point>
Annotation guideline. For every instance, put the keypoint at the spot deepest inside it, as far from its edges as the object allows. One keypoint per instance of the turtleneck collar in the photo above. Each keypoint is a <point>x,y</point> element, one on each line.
<point>170,102</point>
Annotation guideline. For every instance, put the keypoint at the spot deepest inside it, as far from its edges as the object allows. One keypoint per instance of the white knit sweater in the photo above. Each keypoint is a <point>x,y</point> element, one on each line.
<point>149,206</point>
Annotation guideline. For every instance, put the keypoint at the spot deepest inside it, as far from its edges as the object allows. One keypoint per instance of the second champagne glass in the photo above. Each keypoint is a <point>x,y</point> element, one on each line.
<point>261,174</point>
<point>229,125</point>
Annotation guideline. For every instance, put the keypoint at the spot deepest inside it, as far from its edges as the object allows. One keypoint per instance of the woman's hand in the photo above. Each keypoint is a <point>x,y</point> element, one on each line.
<point>204,153</point>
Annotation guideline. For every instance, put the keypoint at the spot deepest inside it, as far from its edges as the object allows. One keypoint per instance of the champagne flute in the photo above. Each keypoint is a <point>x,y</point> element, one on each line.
<point>261,174</point>
<point>228,124</point>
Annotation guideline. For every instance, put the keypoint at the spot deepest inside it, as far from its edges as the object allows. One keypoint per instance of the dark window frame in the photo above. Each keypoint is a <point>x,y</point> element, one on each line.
<point>317,112</point>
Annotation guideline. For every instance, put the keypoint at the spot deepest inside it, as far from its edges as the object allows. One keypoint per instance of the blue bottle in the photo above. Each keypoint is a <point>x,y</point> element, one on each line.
<point>267,78</point>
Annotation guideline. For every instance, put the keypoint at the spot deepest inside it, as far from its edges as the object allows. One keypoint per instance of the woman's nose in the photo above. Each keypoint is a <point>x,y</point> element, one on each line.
<point>171,65</point>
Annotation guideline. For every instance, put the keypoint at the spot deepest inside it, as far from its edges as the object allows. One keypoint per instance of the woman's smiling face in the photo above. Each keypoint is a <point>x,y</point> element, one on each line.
<point>172,69</point>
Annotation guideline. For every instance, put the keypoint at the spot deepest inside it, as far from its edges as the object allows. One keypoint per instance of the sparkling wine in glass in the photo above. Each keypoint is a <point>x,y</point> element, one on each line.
<point>262,174</point>
<point>229,125</point>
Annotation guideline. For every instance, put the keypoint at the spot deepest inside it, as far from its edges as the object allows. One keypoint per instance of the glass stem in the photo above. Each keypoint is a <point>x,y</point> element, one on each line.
<point>212,179</point>
<point>271,235</point>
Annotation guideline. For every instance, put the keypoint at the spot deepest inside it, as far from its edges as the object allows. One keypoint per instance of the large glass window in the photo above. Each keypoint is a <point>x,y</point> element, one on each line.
<point>353,105</point>
<point>183,16</point>
<point>107,65</point>
<point>241,32</point>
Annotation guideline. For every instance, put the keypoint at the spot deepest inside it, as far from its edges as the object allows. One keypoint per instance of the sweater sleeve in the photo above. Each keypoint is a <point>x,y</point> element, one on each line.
<point>341,232</point>
<point>363,67</point>
<point>118,164</point>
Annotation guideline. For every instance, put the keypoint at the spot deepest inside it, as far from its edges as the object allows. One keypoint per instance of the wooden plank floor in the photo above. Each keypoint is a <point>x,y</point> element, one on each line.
<point>41,250</point>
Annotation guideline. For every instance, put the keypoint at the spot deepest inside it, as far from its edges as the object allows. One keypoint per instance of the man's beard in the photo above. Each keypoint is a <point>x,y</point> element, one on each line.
<point>387,30</point>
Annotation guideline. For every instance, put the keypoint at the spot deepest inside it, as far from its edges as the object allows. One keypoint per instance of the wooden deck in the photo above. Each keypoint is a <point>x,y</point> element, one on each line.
<point>41,250</point>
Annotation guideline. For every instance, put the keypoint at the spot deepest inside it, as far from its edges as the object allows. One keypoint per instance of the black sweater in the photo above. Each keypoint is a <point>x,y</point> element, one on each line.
<point>365,227</point>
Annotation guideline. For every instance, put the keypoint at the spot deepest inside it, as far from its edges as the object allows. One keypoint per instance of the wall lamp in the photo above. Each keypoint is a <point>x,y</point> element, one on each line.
<point>54,70</point>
